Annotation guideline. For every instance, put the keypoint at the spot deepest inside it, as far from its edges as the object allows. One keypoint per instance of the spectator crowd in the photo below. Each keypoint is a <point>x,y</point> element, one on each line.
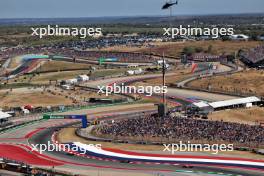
<point>187,129</point>
<point>254,55</point>
<point>76,51</point>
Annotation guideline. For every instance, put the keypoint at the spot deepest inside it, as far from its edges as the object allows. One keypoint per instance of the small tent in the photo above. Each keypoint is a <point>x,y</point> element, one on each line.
<point>82,78</point>
<point>4,116</point>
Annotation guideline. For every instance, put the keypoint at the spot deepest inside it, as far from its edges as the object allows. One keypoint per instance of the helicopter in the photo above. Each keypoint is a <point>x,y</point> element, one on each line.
<point>169,4</point>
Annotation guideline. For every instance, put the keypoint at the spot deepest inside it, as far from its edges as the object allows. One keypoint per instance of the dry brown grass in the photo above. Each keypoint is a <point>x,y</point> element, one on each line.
<point>45,77</point>
<point>124,48</point>
<point>15,62</point>
<point>247,116</point>
<point>112,109</point>
<point>247,82</point>
<point>175,48</point>
<point>174,76</point>
<point>219,47</point>
<point>62,65</point>
<point>179,75</point>
<point>36,98</point>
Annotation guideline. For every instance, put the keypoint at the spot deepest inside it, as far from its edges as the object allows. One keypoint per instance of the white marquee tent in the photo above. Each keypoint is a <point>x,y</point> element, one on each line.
<point>4,115</point>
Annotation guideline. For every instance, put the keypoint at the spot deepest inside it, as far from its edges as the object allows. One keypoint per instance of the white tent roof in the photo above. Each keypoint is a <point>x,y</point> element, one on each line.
<point>232,102</point>
<point>4,115</point>
<point>83,76</point>
<point>201,104</point>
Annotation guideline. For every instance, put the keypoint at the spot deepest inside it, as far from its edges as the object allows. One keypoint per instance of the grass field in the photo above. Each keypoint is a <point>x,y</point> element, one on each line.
<point>247,82</point>
<point>44,78</point>
<point>218,47</point>
<point>247,116</point>
<point>51,65</point>
<point>175,48</point>
<point>36,97</point>
<point>179,74</point>
<point>61,65</point>
<point>112,109</point>
<point>50,97</point>
<point>125,48</point>
<point>15,62</point>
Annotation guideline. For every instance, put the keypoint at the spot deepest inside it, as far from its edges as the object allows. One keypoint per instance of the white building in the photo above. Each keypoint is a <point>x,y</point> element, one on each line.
<point>228,104</point>
<point>83,78</point>
<point>239,37</point>
<point>138,71</point>
<point>66,87</point>
<point>4,115</point>
<point>160,62</point>
<point>134,72</point>
<point>71,81</point>
<point>130,72</point>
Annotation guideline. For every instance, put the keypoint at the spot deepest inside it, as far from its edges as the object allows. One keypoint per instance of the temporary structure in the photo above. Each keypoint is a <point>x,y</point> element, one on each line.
<point>83,78</point>
<point>4,115</point>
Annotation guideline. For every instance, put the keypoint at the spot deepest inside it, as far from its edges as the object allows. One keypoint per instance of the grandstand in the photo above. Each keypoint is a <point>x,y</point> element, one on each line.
<point>254,57</point>
<point>173,128</point>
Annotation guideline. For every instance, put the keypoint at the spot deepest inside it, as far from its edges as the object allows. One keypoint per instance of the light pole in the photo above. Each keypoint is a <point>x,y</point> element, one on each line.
<point>163,78</point>
<point>167,5</point>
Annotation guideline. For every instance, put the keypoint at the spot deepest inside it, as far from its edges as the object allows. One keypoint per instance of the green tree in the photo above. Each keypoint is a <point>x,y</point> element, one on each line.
<point>210,49</point>
<point>188,50</point>
<point>199,49</point>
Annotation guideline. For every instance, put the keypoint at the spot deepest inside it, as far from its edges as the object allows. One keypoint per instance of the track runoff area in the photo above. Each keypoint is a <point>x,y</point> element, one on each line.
<point>30,139</point>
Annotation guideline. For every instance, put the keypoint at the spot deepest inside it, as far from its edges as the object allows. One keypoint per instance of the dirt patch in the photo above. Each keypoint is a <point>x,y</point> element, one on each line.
<point>126,48</point>
<point>108,109</point>
<point>175,48</point>
<point>247,116</point>
<point>61,65</point>
<point>45,78</point>
<point>35,98</point>
<point>15,62</point>
<point>218,47</point>
<point>247,82</point>
<point>179,73</point>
